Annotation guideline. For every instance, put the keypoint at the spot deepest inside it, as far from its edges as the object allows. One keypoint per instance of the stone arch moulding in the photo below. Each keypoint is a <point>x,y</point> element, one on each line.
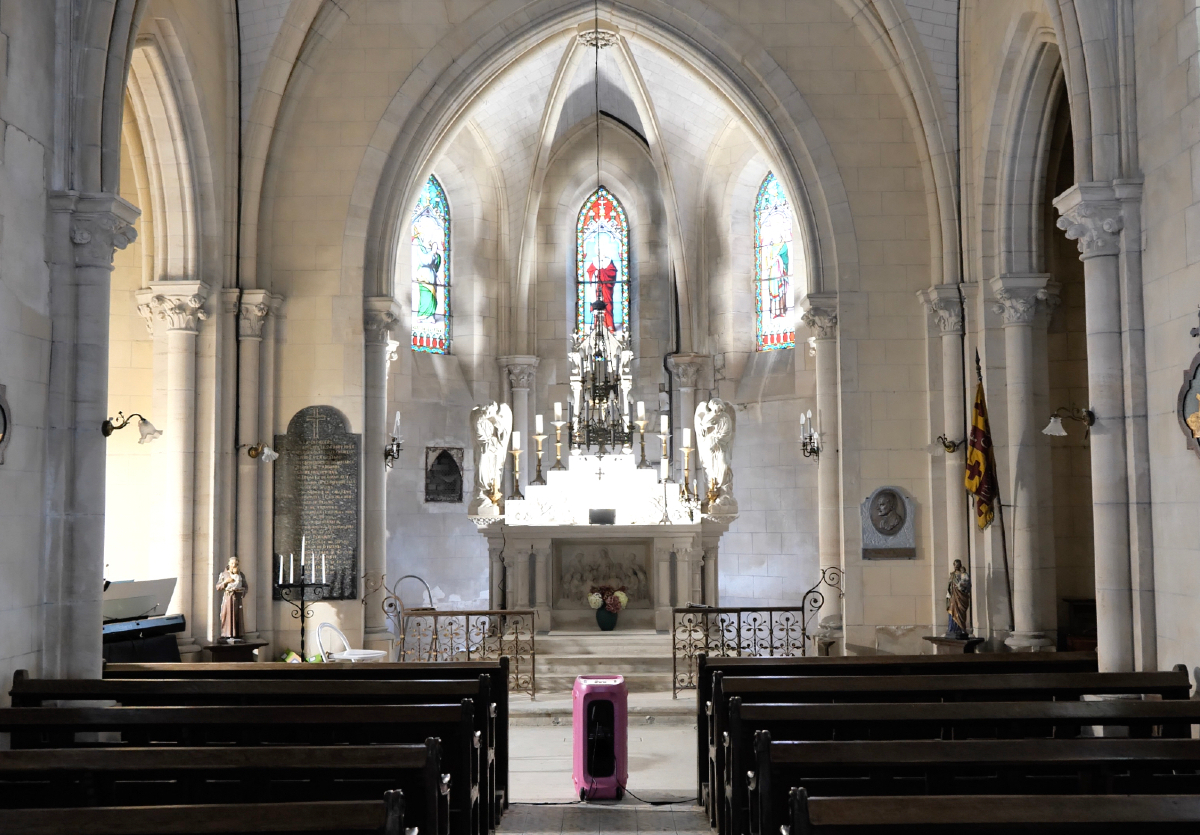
<point>762,92</point>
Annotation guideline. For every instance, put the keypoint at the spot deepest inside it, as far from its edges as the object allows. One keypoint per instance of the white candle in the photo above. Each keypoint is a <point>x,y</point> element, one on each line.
<point>291,568</point>
<point>516,440</point>
<point>662,424</point>
<point>558,411</point>
<point>537,425</point>
<point>641,410</point>
<point>280,570</point>
<point>302,556</point>
<point>687,438</point>
<point>802,418</point>
<point>322,568</point>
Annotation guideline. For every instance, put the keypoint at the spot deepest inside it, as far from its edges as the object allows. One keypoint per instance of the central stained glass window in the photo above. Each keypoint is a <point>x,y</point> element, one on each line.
<point>431,270</point>
<point>774,297</point>
<point>602,262</point>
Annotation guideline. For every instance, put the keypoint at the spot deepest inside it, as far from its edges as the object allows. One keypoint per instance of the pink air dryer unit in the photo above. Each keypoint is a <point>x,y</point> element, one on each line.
<point>600,736</point>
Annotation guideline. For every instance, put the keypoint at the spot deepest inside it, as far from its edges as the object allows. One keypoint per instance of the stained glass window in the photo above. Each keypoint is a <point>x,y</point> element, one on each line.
<point>602,262</point>
<point>431,270</point>
<point>774,297</point>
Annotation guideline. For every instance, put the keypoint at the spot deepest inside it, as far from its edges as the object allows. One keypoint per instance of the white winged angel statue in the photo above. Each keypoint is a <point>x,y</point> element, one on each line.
<point>492,425</point>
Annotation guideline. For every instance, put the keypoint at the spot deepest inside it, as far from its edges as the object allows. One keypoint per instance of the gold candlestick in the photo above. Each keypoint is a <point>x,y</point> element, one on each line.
<point>664,437</point>
<point>558,425</point>
<point>539,479</point>
<point>641,425</point>
<point>516,491</point>
<point>687,473</point>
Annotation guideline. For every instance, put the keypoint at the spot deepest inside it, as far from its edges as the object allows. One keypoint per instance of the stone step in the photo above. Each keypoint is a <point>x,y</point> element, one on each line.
<point>645,708</point>
<point>640,642</point>
<point>580,664</point>
<point>634,682</point>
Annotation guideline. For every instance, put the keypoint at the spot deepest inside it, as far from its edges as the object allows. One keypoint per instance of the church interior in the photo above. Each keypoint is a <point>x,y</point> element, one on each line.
<point>475,403</point>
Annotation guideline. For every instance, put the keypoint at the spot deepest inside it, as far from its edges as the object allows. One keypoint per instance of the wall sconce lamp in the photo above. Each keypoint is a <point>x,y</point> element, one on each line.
<point>948,445</point>
<point>261,450</point>
<point>391,452</point>
<point>149,433</point>
<point>1055,426</point>
<point>808,439</point>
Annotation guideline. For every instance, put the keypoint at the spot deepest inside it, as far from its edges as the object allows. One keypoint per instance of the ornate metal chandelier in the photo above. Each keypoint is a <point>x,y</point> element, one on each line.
<point>600,386</point>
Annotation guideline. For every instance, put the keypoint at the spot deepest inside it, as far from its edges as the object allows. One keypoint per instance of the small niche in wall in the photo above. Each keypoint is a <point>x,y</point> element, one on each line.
<point>443,474</point>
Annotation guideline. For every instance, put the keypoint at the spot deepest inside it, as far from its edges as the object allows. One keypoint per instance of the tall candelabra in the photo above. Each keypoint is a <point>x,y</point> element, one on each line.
<point>539,438</point>
<point>516,490</point>
<point>641,425</point>
<point>297,595</point>
<point>685,489</point>
<point>666,461</point>
<point>558,425</point>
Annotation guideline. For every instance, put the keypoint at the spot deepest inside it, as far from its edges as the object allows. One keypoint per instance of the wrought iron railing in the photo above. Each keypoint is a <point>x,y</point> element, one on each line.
<point>467,635</point>
<point>745,632</point>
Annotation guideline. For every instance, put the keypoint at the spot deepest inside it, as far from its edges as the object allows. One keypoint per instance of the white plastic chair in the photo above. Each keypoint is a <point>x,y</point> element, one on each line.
<point>347,654</point>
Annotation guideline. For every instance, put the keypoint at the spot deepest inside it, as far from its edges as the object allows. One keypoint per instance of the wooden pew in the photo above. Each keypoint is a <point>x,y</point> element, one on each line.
<point>497,671</point>
<point>993,815</point>
<point>339,817</point>
<point>915,688</point>
<point>855,665</point>
<point>214,777</point>
<point>479,774</point>
<point>954,720</point>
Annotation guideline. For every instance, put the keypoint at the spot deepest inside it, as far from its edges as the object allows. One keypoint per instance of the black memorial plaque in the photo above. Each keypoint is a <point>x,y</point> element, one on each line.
<point>316,497</point>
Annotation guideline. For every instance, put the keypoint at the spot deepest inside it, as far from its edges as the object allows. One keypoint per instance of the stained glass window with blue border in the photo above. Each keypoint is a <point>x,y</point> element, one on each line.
<point>602,262</point>
<point>774,263</point>
<point>431,270</point>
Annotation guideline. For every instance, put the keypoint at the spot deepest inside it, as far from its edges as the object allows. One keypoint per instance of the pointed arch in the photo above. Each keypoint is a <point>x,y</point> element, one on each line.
<point>602,235</point>
<point>774,290</point>
<point>430,242</point>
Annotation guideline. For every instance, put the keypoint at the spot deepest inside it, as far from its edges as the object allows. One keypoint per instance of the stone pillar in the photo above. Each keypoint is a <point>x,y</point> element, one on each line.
<point>176,308</point>
<point>85,230</point>
<point>379,314</point>
<point>252,313</point>
<point>522,373</point>
<point>1091,215</point>
<point>543,599</point>
<point>493,531</point>
<point>820,314</point>
<point>516,563</point>
<point>266,482</point>
<point>946,305</point>
<point>689,559</point>
<point>712,569</point>
<point>686,370</point>
<point>662,585</point>
<point>1034,607</point>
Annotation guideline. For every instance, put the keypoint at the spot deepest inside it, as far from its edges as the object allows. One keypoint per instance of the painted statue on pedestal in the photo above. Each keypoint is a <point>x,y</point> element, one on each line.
<point>232,583</point>
<point>715,425</point>
<point>492,426</point>
<point>958,601</point>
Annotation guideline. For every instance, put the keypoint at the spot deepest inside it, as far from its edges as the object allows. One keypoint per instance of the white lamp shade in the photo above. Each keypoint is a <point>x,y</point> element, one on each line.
<point>1055,427</point>
<point>269,454</point>
<point>149,433</point>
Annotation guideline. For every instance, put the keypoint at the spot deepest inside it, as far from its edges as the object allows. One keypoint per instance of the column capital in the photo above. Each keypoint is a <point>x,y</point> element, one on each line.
<point>174,305</point>
<point>686,368</point>
<point>253,310</point>
<point>1018,297</point>
<point>1091,215</point>
<point>946,305</point>
<point>379,314</point>
<point>100,224</point>
<point>818,311</point>
<point>521,370</point>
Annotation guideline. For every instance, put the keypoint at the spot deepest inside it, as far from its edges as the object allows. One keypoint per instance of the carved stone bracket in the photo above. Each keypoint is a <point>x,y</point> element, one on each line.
<point>379,314</point>
<point>252,313</point>
<point>521,370</point>
<point>1091,215</point>
<point>945,304</point>
<point>1019,297</point>
<point>175,305</point>
<point>686,368</point>
<point>819,313</point>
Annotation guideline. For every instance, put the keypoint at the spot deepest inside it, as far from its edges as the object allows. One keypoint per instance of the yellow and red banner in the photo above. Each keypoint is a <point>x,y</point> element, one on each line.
<point>981,464</point>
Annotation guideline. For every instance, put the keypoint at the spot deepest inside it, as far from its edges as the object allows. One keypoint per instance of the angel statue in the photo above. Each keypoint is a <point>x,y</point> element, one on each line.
<point>715,425</point>
<point>492,425</point>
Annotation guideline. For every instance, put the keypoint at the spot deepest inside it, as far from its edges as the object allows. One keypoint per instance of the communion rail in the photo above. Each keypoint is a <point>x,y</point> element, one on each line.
<point>744,632</point>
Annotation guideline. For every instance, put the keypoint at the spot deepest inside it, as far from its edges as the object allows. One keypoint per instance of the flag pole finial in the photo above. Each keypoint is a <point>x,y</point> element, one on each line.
<point>978,367</point>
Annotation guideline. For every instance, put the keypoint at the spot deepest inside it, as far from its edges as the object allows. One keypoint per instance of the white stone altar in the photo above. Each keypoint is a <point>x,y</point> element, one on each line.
<point>545,555</point>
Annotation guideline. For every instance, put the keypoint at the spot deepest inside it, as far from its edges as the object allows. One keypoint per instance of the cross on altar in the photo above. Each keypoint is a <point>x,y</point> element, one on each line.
<point>599,471</point>
<point>315,420</point>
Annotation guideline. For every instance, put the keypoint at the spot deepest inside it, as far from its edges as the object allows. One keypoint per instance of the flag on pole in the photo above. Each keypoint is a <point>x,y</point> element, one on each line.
<point>981,465</point>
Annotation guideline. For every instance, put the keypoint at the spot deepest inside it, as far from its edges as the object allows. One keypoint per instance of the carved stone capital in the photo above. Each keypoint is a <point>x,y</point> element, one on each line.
<point>379,314</point>
<point>605,35</point>
<point>174,305</point>
<point>1091,215</point>
<point>521,370</point>
<point>100,225</point>
<point>945,304</point>
<point>819,313</point>
<point>252,313</point>
<point>686,368</point>
<point>1019,297</point>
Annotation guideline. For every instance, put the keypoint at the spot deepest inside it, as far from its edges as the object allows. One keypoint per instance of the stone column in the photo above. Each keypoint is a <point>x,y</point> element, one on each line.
<point>1018,298</point>
<point>85,230</point>
<point>662,585</point>
<point>493,531</point>
<point>516,563</point>
<point>522,373</point>
<point>543,599</point>
<point>819,313</point>
<point>252,314</point>
<point>266,480</point>
<point>1091,215</point>
<point>379,314</point>
<point>712,569</point>
<point>686,370</point>
<point>689,558</point>
<point>176,308</point>
<point>944,301</point>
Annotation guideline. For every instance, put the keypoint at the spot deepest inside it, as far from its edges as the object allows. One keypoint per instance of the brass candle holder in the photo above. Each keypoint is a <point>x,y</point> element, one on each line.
<point>686,490</point>
<point>558,425</point>
<point>516,491</point>
<point>664,437</point>
<point>641,425</point>
<point>539,479</point>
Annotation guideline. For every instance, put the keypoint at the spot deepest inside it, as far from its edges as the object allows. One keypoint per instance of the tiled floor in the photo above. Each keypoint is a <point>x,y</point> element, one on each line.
<point>603,819</point>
